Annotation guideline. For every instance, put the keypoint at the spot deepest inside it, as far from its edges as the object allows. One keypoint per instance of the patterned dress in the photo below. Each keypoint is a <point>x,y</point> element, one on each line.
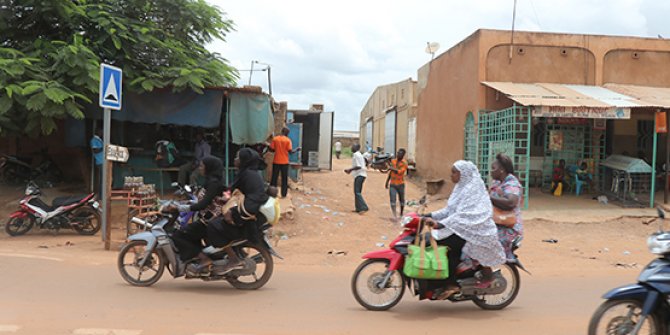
<point>510,186</point>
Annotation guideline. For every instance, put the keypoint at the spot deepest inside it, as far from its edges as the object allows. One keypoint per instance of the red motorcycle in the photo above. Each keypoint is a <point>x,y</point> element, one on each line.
<point>379,282</point>
<point>79,212</point>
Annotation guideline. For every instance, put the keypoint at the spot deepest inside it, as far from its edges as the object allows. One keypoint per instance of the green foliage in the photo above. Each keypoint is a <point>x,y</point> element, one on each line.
<point>50,51</point>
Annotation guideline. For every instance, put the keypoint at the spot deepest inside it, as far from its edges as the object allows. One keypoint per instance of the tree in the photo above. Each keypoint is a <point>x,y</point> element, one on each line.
<point>50,51</point>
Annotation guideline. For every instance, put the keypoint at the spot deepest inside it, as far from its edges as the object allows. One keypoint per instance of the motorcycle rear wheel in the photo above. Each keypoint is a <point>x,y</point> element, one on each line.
<point>89,220</point>
<point>500,301</point>
<point>364,288</point>
<point>623,323</point>
<point>136,249</point>
<point>19,226</point>
<point>263,260</point>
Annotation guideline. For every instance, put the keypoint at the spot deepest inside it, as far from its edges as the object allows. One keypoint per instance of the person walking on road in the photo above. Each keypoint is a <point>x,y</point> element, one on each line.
<point>359,173</point>
<point>338,149</point>
<point>396,179</point>
<point>282,147</point>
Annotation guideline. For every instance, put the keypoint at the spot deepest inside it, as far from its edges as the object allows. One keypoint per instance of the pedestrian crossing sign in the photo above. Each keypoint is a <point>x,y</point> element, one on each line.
<point>110,86</point>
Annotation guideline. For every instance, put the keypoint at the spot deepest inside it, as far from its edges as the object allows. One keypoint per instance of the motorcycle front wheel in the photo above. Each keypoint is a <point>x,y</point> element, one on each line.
<point>19,226</point>
<point>366,281</point>
<point>621,317</point>
<point>262,273</point>
<point>495,302</point>
<point>86,220</point>
<point>131,255</point>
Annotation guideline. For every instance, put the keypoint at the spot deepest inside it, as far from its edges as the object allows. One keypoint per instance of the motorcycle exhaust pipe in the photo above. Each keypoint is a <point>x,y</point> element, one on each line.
<point>141,222</point>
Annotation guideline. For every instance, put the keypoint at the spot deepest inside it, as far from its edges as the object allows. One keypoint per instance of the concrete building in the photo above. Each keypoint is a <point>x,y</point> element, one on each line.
<point>487,72</point>
<point>388,119</point>
<point>346,137</point>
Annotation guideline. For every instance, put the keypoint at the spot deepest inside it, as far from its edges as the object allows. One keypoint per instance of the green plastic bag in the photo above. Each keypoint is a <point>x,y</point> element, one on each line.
<point>426,262</point>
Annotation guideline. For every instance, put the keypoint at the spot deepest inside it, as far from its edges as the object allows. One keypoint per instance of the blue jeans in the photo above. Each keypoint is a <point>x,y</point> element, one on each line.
<point>359,202</point>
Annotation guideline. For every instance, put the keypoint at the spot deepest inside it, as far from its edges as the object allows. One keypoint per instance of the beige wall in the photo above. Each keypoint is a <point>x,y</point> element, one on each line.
<point>401,95</point>
<point>449,86</point>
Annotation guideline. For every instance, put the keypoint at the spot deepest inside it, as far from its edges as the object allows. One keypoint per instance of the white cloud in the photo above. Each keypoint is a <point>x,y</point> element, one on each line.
<point>338,52</point>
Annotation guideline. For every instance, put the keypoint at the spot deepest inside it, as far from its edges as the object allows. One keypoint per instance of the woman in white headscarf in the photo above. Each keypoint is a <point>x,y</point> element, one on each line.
<point>466,225</point>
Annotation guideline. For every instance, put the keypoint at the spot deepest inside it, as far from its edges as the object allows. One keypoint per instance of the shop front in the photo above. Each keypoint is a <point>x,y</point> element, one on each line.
<point>600,141</point>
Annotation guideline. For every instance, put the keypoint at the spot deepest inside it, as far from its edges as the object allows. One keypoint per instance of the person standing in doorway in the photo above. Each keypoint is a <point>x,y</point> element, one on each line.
<point>338,149</point>
<point>190,169</point>
<point>97,146</point>
<point>396,178</point>
<point>282,147</point>
<point>359,173</point>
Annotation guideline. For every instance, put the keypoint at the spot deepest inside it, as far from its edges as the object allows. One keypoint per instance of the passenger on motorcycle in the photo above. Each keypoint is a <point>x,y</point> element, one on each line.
<point>466,225</point>
<point>244,220</point>
<point>188,241</point>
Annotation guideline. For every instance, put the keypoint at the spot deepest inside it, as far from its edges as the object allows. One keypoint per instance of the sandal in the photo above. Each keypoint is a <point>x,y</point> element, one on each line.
<point>444,294</point>
<point>199,269</point>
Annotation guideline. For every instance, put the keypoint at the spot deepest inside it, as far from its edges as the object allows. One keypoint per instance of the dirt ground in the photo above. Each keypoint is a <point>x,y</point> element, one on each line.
<point>326,240</point>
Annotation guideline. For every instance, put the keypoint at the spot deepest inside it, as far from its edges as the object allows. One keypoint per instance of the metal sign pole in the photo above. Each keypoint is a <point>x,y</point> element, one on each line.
<point>106,177</point>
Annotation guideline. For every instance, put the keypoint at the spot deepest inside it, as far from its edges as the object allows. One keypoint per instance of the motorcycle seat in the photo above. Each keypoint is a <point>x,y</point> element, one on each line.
<point>69,200</point>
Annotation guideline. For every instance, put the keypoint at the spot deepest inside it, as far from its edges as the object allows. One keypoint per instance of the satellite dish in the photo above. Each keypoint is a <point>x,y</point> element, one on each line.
<point>431,48</point>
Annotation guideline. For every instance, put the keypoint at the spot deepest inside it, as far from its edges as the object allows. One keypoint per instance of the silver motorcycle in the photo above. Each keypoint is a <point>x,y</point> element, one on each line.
<point>143,260</point>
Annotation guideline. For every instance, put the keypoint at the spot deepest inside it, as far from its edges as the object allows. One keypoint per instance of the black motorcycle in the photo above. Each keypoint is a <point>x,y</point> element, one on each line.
<point>381,160</point>
<point>641,308</point>
<point>19,170</point>
<point>143,260</point>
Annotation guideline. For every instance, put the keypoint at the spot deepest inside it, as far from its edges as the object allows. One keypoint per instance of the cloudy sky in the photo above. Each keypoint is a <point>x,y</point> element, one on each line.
<point>338,52</point>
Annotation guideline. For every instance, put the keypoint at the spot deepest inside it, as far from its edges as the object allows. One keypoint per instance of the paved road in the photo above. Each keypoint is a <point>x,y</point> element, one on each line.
<point>61,295</point>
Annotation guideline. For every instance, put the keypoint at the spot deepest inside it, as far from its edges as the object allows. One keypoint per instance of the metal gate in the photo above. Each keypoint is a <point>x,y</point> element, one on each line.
<point>505,131</point>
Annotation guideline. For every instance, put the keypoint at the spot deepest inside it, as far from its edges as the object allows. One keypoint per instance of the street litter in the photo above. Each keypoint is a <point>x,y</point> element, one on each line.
<point>550,241</point>
<point>624,265</point>
<point>384,237</point>
<point>626,253</point>
<point>337,252</point>
<point>340,224</point>
<point>602,199</point>
<point>380,244</point>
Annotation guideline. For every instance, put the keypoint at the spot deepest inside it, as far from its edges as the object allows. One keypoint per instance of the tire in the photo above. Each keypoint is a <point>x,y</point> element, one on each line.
<point>653,322</point>
<point>138,248</point>
<point>373,278</point>
<point>267,271</point>
<point>19,226</point>
<point>484,304</point>
<point>89,218</point>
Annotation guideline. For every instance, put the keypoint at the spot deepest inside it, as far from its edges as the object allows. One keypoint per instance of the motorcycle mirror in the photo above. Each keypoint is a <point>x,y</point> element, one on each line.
<point>187,188</point>
<point>175,184</point>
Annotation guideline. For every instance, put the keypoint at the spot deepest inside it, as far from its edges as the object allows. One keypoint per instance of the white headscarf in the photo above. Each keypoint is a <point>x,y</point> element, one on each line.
<point>469,214</point>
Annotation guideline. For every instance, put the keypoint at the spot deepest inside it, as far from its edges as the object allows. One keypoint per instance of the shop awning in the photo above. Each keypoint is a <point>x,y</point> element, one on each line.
<point>651,96</point>
<point>581,101</point>
<point>185,108</point>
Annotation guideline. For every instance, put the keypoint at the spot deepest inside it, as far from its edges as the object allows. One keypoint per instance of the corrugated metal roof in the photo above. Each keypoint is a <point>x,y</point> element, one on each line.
<point>650,96</point>
<point>564,95</point>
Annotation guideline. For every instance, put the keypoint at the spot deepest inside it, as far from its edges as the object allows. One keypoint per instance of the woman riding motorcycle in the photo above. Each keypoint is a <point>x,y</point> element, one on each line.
<point>240,222</point>
<point>466,226</point>
<point>188,241</point>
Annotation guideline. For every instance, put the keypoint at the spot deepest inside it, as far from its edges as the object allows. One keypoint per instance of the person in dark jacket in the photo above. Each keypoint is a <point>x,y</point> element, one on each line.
<point>242,221</point>
<point>188,241</point>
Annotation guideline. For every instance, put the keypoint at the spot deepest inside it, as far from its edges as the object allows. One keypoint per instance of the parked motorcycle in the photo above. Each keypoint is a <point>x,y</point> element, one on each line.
<point>79,212</point>
<point>20,170</point>
<point>379,283</point>
<point>143,260</point>
<point>641,308</point>
<point>380,160</point>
